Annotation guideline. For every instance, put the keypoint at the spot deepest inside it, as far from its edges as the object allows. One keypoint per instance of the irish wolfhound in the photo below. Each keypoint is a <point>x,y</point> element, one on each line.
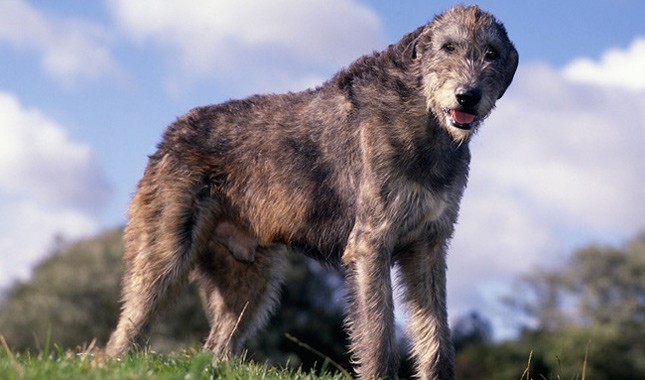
<point>364,172</point>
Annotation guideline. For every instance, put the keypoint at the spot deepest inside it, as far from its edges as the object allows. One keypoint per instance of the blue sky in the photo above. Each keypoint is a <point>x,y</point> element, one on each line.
<point>87,87</point>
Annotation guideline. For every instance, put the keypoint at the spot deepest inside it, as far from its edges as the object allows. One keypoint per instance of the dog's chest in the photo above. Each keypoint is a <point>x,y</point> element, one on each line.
<point>431,180</point>
<point>415,207</point>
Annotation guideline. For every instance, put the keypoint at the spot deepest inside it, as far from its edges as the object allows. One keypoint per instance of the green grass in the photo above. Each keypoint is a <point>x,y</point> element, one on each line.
<point>190,364</point>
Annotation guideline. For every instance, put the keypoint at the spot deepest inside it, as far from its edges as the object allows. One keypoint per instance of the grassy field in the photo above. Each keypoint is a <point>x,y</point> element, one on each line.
<point>52,362</point>
<point>192,364</point>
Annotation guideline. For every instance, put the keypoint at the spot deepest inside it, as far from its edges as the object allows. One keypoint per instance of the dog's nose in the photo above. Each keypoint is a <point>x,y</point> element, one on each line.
<point>468,97</point>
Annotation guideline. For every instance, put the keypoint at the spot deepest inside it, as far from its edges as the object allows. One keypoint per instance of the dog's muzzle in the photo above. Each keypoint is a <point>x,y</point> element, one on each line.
<point>462,120</point>
<point>465,117</point>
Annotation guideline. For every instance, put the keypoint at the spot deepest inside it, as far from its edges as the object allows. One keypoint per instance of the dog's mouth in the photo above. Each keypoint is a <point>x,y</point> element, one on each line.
<point>462,120</point>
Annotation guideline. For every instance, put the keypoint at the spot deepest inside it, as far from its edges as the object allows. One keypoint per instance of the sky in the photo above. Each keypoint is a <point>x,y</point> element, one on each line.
<point>87,88</point>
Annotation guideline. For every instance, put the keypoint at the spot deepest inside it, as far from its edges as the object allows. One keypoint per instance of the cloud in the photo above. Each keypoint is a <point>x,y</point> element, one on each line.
<point>259,42</point>
<point>49,185</point>
<point>557,165</point>
<point>70,50</point>
<point>620,68</point>
<point>38,160</point>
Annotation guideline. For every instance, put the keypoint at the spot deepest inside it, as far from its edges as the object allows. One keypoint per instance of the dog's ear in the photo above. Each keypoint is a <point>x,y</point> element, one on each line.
<point>423,41</point>
<point>511,64</point>
<point>412,43</point>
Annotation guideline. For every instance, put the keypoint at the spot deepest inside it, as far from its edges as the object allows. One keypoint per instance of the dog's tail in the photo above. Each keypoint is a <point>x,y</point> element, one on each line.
<point>169,217</point>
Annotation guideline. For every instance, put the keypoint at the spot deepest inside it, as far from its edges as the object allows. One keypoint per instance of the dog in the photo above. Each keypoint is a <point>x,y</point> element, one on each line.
<point>364,173</point>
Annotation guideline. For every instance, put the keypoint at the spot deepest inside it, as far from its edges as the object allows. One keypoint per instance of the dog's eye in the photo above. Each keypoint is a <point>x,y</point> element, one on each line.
<point>491,54</point>
<point>448,47</point>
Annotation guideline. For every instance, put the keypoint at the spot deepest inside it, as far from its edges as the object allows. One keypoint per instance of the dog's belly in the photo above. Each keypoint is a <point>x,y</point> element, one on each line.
<point>330,254</point>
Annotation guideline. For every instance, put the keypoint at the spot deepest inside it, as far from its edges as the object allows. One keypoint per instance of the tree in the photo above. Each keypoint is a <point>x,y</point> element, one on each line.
<point>73,293</point>
<point>597,301</point>
<point>599,286</point>
<point>471,329</point>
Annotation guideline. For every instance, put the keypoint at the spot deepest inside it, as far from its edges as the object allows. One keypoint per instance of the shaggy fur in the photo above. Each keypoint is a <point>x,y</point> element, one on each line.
<point>365,172</point>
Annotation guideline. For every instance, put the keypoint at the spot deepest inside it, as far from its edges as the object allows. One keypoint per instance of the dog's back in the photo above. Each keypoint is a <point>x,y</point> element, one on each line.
<point>286,171</point>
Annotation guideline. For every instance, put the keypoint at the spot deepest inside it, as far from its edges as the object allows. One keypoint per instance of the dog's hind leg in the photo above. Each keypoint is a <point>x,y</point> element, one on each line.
<point>238,242</point>
<point>239,295</point>
<point>423,274</point>
<point>166,228</point>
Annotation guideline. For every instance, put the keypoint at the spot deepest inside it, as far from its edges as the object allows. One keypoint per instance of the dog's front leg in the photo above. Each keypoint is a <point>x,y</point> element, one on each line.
<point>370,315</point>
<point>423,272</point>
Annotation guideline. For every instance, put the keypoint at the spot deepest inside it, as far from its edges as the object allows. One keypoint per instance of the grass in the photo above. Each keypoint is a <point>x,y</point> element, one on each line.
<point>526,374</point>
<point>52,362</point>
<point>191,364</point>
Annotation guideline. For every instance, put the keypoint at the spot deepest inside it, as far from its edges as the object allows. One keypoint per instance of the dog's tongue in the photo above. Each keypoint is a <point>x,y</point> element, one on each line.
<point>462,117</point>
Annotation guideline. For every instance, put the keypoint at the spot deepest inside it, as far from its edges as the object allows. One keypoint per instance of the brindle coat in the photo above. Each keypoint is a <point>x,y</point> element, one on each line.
<point>364,172</point>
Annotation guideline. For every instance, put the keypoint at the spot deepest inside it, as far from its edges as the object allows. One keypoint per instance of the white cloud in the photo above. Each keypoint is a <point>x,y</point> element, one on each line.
<point>69,49</point>
<point>39,161</point>
<point>621,68</point>
<point>49,185</point>
<point>558,164</point>
<point>266,43</point>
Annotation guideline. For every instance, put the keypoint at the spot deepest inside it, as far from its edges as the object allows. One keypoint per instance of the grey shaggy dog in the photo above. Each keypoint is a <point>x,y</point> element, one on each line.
<point>365,172</point>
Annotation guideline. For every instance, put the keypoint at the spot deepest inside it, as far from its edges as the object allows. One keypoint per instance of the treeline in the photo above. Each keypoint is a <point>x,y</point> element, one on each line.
<point>588,315</point>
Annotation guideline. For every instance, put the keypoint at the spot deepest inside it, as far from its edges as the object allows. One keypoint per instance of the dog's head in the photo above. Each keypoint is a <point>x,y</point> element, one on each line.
<point>466,62</point>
